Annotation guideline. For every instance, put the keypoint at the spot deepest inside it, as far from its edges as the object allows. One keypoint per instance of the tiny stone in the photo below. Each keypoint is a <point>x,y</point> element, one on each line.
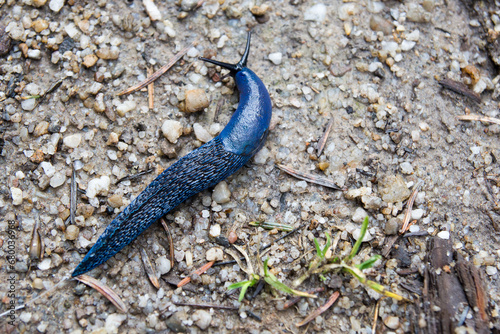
<point>214,254</point>
<point>90,60</point>
<point>188,5</point>
<point>275,58</point>
<point>16,195</point>
<point>72,232</point>
<point>171,130</point>
<point>202,319</point>
<point>393,189</point>
<point>392,322</point>
<point>359,215</point>
<point>37,284</point>
<point>40,25</point>
<point>316,13</point>
<point>152,10</point>
<point>232,237</point>
<point>357,233</point>
<point>424,126</point>
<point>98,186</point>
<point>406,168</point>
<point>261,157</point>
<point>113,321</point>
<point>56,5</point>
<point>391,226</point>
<point>416,214</point>
<point>34,54</point>
<point>196,100</point>
<point>108,53</point>
<point>41,129</point>
<point>28,105</point>
<point>407,45</point>
<point>57,180</point>
<point>72,141</point>
<point>490,270</point>
<point>444,235</point>
<point>163,265</point>
<point>215,230</point>
<point>45,264</point>
<point>221,193</point>
<point>201,134</point>
<point>116,201</point>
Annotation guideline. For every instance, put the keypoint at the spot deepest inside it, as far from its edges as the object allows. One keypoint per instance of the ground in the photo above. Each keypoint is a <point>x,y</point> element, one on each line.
<point>378,71</point>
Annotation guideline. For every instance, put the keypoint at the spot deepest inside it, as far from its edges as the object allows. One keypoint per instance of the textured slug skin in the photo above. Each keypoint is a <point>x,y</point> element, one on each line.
<point>203,168</point>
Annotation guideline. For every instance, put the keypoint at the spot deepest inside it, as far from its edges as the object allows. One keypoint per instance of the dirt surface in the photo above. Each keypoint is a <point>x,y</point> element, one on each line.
<point>372,68</point>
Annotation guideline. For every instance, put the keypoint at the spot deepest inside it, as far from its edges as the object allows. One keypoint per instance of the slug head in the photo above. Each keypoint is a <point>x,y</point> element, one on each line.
<point>233,68</point>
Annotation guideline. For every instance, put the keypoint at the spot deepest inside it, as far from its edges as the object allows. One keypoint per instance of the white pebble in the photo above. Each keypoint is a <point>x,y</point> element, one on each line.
<point>193,52</point>
<point>71,30</point>
<point>347,10</point>
<point>466,198</point>
<point>163,265</point>
<point>392,322</point>
<point>17,195</point>
<point>214,254</point>
<point>490,270</point>
<point>202,319</point>
<point>359,215</point>
<point>406,168</point>
<point>407,45</point>
<point>113,321</point>
<point>72,141</point>
<point>34,54</point>
<point>57,180</point>
<point>413,36</point>
<point>152,10</point>
<point>414,228</point>
<point>45,264</point>
<point>315,13</point>
<point>357,233</point>
<point>125,107</point>
<point>275,58</point>
<point>416,214</point>
<point>25,317</point>
<point>424,126</point>
<point>98,186</point>
<point>261,157</point>
<point>172,130</point>
<point>444,235</point>
<point>28,104</point>
<point>221,193</point>
<point>56,5</point>
<point>215,230</point>
<point>200,133</point>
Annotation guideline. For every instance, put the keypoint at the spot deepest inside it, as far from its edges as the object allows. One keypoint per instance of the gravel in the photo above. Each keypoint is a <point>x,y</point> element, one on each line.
<point>371,67</point>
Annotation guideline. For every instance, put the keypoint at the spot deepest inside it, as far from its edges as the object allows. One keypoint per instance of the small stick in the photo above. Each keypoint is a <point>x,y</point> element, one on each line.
<point>375,319</point>
<point>170,242</point>
<point>388,246</point>
<point>322,141</point>
<point>409,206</point>
<point>309,177</point>
<point>320,309</point>
<point>134,176</point>
<point>460,88</point>
<point>105,290</point>
<point>151,89</point>
<point>199,271</point>
<point>158,73</point>
<point>73,198</point>
<point>475,117</point>
<point>222,307</point>
<point>253,315</point>
<point>488,187</point>
<point>220,104</point>
<point>295,300</point>
<point>150,270</point>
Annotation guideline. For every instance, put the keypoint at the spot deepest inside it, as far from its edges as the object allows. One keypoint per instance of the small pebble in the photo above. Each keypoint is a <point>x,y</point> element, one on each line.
<point>41,129</point>
<point>90,60</point>
<point>163,265</point>
<point>17,195</point>
<point>37,284</point>
<point>72,141</point>
<point>56,5</point>
<point>114,321</point>
<point>202,319</point>
<point>407,45</point>
<point>45,264</point>
<point>357,233</point>
<point>28,104</point>
<point>57,180</point>
<point>152,10</point>
<point>232,237</point>
<point>316,13</point>
<point>201,134</point>
<point>40,25</point>
<point>214,254</point>
<point>221,193</point>
<point>171,130</point>
<point>406,168</point>
<point>215,230</point>
<point>196,100</point>
<point>72,232</point>
<point>98,186</point>
<point>359,215</point>
<point>392,322</point>
<point>416,214</point>
<point>490,270</point>
<point>391,226</point>
<point>444,235</point>
<point>116,201</point>
<point>108,53</point>
<point>261,157</point>
<point>275,58</point>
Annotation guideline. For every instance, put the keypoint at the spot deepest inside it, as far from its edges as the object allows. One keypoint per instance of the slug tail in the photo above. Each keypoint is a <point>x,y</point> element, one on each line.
<point>201,169</point>
<point>233,68</point>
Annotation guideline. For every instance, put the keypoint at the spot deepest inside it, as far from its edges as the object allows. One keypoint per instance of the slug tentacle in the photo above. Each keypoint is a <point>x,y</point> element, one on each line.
<point>203,168</point>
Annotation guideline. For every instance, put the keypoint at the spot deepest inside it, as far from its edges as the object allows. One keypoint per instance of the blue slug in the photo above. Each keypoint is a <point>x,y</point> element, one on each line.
<point>203,168</point>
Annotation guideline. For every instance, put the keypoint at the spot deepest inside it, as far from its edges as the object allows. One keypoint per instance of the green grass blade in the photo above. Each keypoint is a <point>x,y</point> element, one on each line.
<point>369,263</point>
<point>355,249</point>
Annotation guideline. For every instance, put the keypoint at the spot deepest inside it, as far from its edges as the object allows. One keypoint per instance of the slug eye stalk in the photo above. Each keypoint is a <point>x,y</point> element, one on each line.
<point>233,68</point>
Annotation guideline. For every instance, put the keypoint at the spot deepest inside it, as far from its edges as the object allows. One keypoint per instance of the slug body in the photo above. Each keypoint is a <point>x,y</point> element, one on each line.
<point>203,168</point>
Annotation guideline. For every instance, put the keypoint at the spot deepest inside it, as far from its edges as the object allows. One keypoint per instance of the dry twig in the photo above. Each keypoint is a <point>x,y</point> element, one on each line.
<point>309,177</point>
<point>104,290</point>
<point>320,309</point>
